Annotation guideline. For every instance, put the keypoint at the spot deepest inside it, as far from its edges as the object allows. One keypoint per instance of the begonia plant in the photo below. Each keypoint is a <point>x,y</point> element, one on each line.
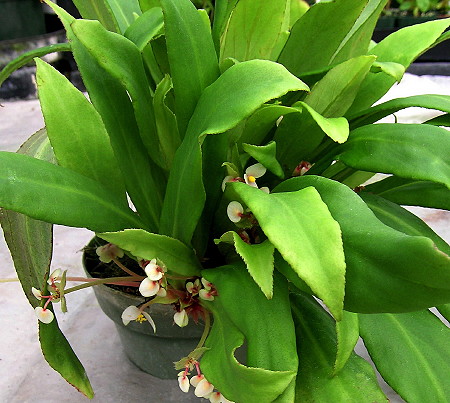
<point>227,154</point>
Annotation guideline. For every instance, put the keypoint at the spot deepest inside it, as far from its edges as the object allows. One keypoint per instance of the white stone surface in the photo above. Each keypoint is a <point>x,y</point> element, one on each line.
<point>24,374</point>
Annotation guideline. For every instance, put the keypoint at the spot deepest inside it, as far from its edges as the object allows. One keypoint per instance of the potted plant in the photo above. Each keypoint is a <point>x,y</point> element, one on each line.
<point>228,163</point>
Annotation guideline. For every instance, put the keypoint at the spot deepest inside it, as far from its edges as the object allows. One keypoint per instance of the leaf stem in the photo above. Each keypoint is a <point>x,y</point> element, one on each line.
<point>205,331</point>
<point>112,280</point>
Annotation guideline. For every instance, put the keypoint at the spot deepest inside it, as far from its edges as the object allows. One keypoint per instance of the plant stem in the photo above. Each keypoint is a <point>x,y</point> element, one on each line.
<point>205,331</point>
<point>8,280</point>
<point>125,269</point>
<point>111,280</point>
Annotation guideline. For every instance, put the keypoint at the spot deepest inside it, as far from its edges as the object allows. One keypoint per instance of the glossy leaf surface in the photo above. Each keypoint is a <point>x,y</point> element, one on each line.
<point>76,131</point>
<point>57,195</point>
<point>412,353</point>
<point>175,255</point>
<point>408,192</point>
<point>264,324</point>
<point>145,28</point>
<point>255,30</point>
<point>302,229</point>
<point>387,270</point>
<point>317,346</point>
<point>400,149</point>
<point>234,96</point>
<point>192,57</point>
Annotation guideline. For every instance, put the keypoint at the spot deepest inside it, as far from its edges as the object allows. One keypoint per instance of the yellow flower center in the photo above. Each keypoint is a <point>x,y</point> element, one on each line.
<point>251,178</point>
<point>140,318</point>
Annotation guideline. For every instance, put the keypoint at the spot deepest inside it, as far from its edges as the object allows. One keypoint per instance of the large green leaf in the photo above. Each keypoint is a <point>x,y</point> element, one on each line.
<point>387,270</point>
<point>399,149</point>
<point>317,346</point>
<point>266,155</point>
<point>60,356</point>
<point>125,12</point>
<point>347,332</point>
<point>402,220</point>
<point>399,48</point>
<point>222,11</point>
<point>236,94</point>
<point>408,192</point>
<point>412,353</point>
<point>178,257</point>
<point>371,115</point>
<point>112,102</point>
<point>336,91</point>
<point>145,28</point>
<point>318,34</point>
<point>258,259</point>
<point>58,195</point>
<point>30,241</point>
<point>256,30</point>
<point>97,10</point>
<point>192,57</point>
<point>122,59</point>
<point>444,310</point>
<point>265,325</point>
<point>301,227</point>
<point>76,131</point>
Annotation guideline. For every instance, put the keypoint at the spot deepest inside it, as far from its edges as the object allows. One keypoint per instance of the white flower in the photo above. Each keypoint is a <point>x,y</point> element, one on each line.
<point>254,172</point>
<point>134,313</point>
<point>206,295</point>
<point>154,271</point>
<point>161,292</point>
<point>235,211</point>
<point>181,318</point>
<point>227,179</point>
<point>108,252</point>
<point>183,382</point>
<point>148,287</point>
<point>195,380</point>
<point>223,399</point>
<point>44,315</point>
<point>37,293</point>
<point>204,388</point>
<point>215,397</point>
<point>265,189</point>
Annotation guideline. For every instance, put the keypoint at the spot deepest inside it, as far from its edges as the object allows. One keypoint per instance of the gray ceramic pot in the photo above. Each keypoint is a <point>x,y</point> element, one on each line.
<point>153,353</point>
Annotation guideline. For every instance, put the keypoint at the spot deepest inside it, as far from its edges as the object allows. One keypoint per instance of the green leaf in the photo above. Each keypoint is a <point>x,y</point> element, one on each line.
<point>166,122</point>
<point>255,30</point>
<point>30,241</point>
<point>265,155</point>
<point>347,332</point>
<point>399,48</point>
<point>178,257</point>
<point>113,103</point>
<point>61,358</point>
<point>27,57</point>
<point>402,220</point>
<point>265,325</point>
<point>387,270</point>
<point>124,12</point>
<point>258,259</point>
<point>235,95</point>
<point>412,353</point>
<point>336,91</point>
<point>145,28</point>
<point>192,57</point>
<point>222,11</point>
<point>54,194</point>
<point>376,148</point>
<point>97,10</point>
<point>443,120</point>
<point>318,34</point>
<point>407,192</point>
<point>317,346</point>
<point>395,70</point>
<point>301,227</point>
<point>76,131</point>
<point>375,113</point>
<point>122,59</point>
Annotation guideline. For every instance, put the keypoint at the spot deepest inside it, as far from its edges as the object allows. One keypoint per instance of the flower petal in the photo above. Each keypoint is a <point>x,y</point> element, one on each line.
<point>154,272</point>
<point>108,252</point>
<point>256,170</point>
<point>204,388</point>
<point>148,288</point>
<point>44,315</point>
<point>183,382</point>
<point>150,320</point>
<point>54,276</point>
<point>215,397</point>
<point>195,380</point>
<point>206,295</point>
<point>181,318</point>
<point>235,211</point>
<point>37,293</point>
<point>129,314</point>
